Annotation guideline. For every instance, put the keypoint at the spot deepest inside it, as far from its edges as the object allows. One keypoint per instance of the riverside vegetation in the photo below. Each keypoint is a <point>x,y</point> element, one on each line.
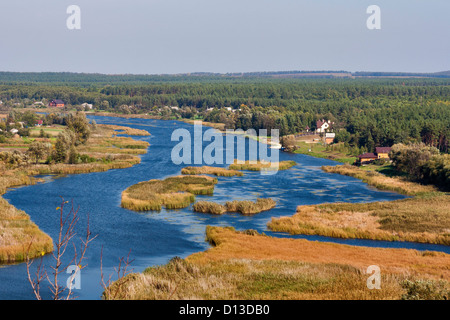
<point>173,193</point>
<point>247,265</point>
<point>422,218</point>
<point>79,148</point>
<point>244,207</point>
<point>259,165</point>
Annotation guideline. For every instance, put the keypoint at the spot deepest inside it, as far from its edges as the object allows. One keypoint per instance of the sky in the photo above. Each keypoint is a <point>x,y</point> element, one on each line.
<point>183,36</point>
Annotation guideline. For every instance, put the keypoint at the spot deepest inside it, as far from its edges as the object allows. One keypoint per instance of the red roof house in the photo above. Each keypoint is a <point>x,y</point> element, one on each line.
<point>56,103</point>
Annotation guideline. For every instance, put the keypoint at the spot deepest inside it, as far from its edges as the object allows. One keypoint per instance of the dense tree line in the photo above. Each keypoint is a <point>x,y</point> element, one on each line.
<point>366,112</point>
<point>422,163</point>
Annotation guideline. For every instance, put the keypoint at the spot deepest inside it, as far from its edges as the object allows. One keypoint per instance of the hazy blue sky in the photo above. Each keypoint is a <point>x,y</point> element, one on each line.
<point>179,36</point>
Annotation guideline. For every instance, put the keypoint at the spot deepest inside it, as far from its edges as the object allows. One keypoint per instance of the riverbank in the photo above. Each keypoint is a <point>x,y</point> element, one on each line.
<point>17,231</point>
<point>247,265</point>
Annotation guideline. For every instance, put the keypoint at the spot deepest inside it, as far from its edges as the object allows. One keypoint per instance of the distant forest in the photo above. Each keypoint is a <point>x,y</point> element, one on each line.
<point>366,112</point>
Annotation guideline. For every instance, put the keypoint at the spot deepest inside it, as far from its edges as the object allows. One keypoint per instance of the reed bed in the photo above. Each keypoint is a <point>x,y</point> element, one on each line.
<point>19,236</point>
<point>380,181</point>
<point>424,220</point>
<point>125,130</point>
<point>247,207</point>
<point>249,266</point>
<point>216,171</point>
<point>244,207</point>
<point>17,231</point>
<point>261,165</point>
<point>209,207</point>
<point>172,193</point>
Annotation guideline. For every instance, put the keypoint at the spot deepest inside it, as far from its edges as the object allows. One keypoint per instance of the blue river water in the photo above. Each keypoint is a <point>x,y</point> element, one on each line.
<point>152,238</point>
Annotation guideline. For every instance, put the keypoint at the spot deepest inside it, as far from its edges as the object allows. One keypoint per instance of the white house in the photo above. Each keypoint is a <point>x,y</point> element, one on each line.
<point>87,105</point>
<point>323,126</point>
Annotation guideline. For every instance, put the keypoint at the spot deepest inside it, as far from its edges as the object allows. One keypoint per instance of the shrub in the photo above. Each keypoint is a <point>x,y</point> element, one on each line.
<point>425,290</point>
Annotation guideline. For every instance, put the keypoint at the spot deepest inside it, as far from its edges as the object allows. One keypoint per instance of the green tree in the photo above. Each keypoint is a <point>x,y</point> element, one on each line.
<point>39,150</point>
<point>79,124</point>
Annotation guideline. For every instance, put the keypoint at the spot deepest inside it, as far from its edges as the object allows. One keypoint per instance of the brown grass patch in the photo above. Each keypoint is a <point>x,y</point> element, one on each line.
<point>216,171</point>
<point>243,207</point>
<point>380,181</point>
<point>261,165</point>
<point>245,265</point>
<point>125,130</point>
<point>425,220</point>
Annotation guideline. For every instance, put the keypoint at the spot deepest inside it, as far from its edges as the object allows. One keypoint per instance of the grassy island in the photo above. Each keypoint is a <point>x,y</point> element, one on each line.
<point>243,207</point>
<point>216,171</point>
<point>261,165</point>
<point>173,193</point>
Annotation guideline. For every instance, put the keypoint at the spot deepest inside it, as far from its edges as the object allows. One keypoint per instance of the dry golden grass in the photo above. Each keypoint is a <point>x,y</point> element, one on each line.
<point>19,236</point>
<point>261,165</point>
<point>425,219</point>
<point>244,207</point>
<point>17,231</point>
<point>380,181</point>
<point>125,130</point>
<point>245,265</point>
<point>173,193</point>
<point>220,172</point>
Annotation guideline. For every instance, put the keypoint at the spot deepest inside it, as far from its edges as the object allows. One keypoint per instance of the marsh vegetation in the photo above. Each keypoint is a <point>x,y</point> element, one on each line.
<point>246,265</point>
<point>172,193</point>
<point>244,207</point>
<point>259,165</point>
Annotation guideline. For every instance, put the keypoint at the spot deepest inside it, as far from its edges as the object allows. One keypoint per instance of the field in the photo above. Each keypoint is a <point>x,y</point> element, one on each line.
<point>319,150</point>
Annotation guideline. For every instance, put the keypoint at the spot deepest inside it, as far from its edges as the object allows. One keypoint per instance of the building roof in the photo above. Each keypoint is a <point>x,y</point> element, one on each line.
<point>382,149</point>
<point>57,101</point>
<point>320,123</point>
<point>367,156</point>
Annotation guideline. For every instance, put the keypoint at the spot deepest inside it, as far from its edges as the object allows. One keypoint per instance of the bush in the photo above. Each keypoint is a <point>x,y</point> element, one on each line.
<point>425,290</point>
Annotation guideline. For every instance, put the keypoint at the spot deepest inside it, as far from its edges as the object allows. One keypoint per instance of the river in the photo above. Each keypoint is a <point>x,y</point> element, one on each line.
<point>152,238</point>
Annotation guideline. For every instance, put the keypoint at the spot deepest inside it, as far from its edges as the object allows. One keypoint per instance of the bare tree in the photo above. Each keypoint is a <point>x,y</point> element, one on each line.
<point>66,234</point>
<point>111,289</point>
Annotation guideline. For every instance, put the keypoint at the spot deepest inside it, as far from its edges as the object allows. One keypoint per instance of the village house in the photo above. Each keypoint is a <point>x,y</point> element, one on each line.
<point>56,103</point>
<point>367,158</point>
<point>322,126</point>
<point>87,106</point>
<point>382,152</point>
